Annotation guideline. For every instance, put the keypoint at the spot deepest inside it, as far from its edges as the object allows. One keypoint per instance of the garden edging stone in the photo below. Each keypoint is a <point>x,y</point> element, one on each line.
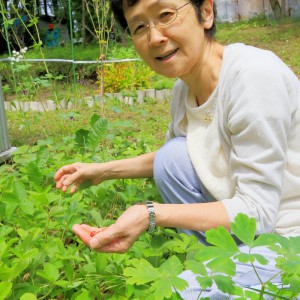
<point>49,105</point>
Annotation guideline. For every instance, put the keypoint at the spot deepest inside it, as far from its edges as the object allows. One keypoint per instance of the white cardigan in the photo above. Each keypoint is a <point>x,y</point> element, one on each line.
<point>244,142</point>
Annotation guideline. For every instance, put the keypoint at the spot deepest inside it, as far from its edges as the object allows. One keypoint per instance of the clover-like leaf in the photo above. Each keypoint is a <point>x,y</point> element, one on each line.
<point>293,281</point>
<point>244,228</point>
<point>142,272</point>
<point>204,281</point>
<point>172,266</point>
<point>224,283</point>
<point>221,238</point>
<point>290,266</point>
<point>223,265</point>
<point>196,267</point>
<point>164,287</point>
<point>251,258</point>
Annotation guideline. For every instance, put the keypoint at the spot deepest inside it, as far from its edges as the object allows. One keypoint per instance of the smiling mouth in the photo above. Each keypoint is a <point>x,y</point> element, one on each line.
<point>168,55</point>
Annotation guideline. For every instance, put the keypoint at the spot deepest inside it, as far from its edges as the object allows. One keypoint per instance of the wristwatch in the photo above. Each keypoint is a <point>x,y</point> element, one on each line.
<point>152,221</point>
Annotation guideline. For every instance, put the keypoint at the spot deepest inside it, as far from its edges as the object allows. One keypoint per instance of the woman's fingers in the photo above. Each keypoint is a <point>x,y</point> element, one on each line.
<point>68,169</point>
<point>67,176</point>
<point>86,232</point>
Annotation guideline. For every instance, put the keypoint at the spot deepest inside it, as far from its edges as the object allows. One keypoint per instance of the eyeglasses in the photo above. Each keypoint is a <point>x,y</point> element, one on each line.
<point>165,17</point>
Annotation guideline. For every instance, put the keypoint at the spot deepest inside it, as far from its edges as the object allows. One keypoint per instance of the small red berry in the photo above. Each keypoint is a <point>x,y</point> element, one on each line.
<point>93,233</point>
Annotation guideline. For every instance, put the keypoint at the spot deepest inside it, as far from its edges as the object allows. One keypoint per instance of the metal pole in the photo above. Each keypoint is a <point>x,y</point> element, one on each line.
<point>72,45</point>
<point>5,146</point>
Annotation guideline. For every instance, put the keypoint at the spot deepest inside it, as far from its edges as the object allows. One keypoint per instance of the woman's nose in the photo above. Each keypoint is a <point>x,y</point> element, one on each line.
<point>156,36</point>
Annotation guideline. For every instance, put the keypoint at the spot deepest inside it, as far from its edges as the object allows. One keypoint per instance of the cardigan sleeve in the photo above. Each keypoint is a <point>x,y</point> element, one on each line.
<point>258,117</point>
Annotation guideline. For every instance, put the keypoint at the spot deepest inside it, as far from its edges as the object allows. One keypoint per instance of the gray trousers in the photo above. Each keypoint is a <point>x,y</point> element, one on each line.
<point>178,183</point>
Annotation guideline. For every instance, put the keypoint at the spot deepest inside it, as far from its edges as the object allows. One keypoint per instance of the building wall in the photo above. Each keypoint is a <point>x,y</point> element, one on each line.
<point>234,10</point>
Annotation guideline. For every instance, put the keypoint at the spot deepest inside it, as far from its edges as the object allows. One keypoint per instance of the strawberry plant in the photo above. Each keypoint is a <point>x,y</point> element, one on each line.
<point>40,258</point>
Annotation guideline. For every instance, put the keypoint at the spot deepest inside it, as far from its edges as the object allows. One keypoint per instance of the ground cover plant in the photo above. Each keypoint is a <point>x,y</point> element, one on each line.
<point>40,258</point>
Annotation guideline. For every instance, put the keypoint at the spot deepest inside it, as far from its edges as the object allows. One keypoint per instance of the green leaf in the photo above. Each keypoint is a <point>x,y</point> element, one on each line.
<point>251,258</point>
<point>68,284</point>
<point>244,228</point>
<point>224,283</point>
<point>196,267</point>
<point>142,272</point>
<point>293,280</point>
<point>223,265</point>
<point>28,296</point>
<point>172,266</point>
<point>184,243</point>
<point>32,21</point>
<point>221,238</point>
<point>84,295</point>
<point>277,243</point>
<point>5,289</point>
<point>163,288</point>
<point>289,266</point>
<point>33,173</point>
<point>211,252</point>
<point>294,245</point>
<point>27,207</point>
<point>265,239</point>
<point>18,267</point>
<point>20,190</point>
<point>97,217</point>
<point>101,262</point>
<point>94,118</point>
<point>245,294</point>
<point>204,281</point>
<point>50,272</point>
<point>81,138</point>
<point>98,132</point>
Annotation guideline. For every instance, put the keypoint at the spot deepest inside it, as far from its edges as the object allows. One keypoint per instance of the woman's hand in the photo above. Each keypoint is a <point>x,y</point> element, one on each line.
<point>77,173</point>
<point>119,237</point>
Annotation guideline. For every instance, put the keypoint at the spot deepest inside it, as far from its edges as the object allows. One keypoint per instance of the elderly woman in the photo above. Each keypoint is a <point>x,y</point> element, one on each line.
<point>233,144</point>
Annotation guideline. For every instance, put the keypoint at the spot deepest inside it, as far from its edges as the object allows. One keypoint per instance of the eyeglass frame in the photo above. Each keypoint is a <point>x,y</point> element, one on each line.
<point>156,23</point>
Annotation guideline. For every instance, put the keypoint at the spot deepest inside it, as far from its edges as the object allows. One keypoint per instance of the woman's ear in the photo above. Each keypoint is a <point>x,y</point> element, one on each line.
<point>207,13</point>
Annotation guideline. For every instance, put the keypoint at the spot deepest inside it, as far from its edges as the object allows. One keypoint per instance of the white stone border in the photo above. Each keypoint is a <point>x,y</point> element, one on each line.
<point>160,95</point>
<point>5,155</point>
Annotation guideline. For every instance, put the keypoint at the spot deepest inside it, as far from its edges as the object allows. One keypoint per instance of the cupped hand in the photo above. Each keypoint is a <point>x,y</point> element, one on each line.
<point>86,232</point>
<point>75,174</point>
<point>119,237</point>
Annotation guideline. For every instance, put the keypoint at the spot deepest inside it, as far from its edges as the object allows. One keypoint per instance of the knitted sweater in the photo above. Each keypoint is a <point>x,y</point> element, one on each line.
<point>244,142</point>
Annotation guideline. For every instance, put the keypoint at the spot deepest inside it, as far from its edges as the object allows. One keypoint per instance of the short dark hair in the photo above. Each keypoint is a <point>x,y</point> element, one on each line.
<point>117,7</point>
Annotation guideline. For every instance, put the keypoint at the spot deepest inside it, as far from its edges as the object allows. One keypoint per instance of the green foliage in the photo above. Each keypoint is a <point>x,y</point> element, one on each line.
<point>215,263</point>
<point>125,76</point>
<point>41,258</point>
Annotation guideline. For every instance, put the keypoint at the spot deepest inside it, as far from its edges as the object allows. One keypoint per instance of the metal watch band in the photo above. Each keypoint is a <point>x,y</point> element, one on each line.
<point>152,221</point>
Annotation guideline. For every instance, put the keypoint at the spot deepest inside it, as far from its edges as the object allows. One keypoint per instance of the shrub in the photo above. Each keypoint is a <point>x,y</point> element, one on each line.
<point>125,76</point>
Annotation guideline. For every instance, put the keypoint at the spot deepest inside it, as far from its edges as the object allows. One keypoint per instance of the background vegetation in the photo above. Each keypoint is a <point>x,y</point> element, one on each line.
<point>39,256</point>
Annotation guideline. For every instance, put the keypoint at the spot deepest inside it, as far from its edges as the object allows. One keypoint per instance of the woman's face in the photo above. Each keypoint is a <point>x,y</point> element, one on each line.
<point>173,50</point>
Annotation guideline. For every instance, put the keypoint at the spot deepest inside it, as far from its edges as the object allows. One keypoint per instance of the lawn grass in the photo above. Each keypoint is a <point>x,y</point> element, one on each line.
<point>282,38</point>
<point>151,118</point>
<point>29,127</point>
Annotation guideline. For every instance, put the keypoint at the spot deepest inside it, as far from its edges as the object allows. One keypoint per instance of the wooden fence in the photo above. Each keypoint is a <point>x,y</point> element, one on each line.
<point>234,10</point>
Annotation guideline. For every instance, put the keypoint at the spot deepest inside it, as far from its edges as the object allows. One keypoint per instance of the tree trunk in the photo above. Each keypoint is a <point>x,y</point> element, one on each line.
<point>276,8</point>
